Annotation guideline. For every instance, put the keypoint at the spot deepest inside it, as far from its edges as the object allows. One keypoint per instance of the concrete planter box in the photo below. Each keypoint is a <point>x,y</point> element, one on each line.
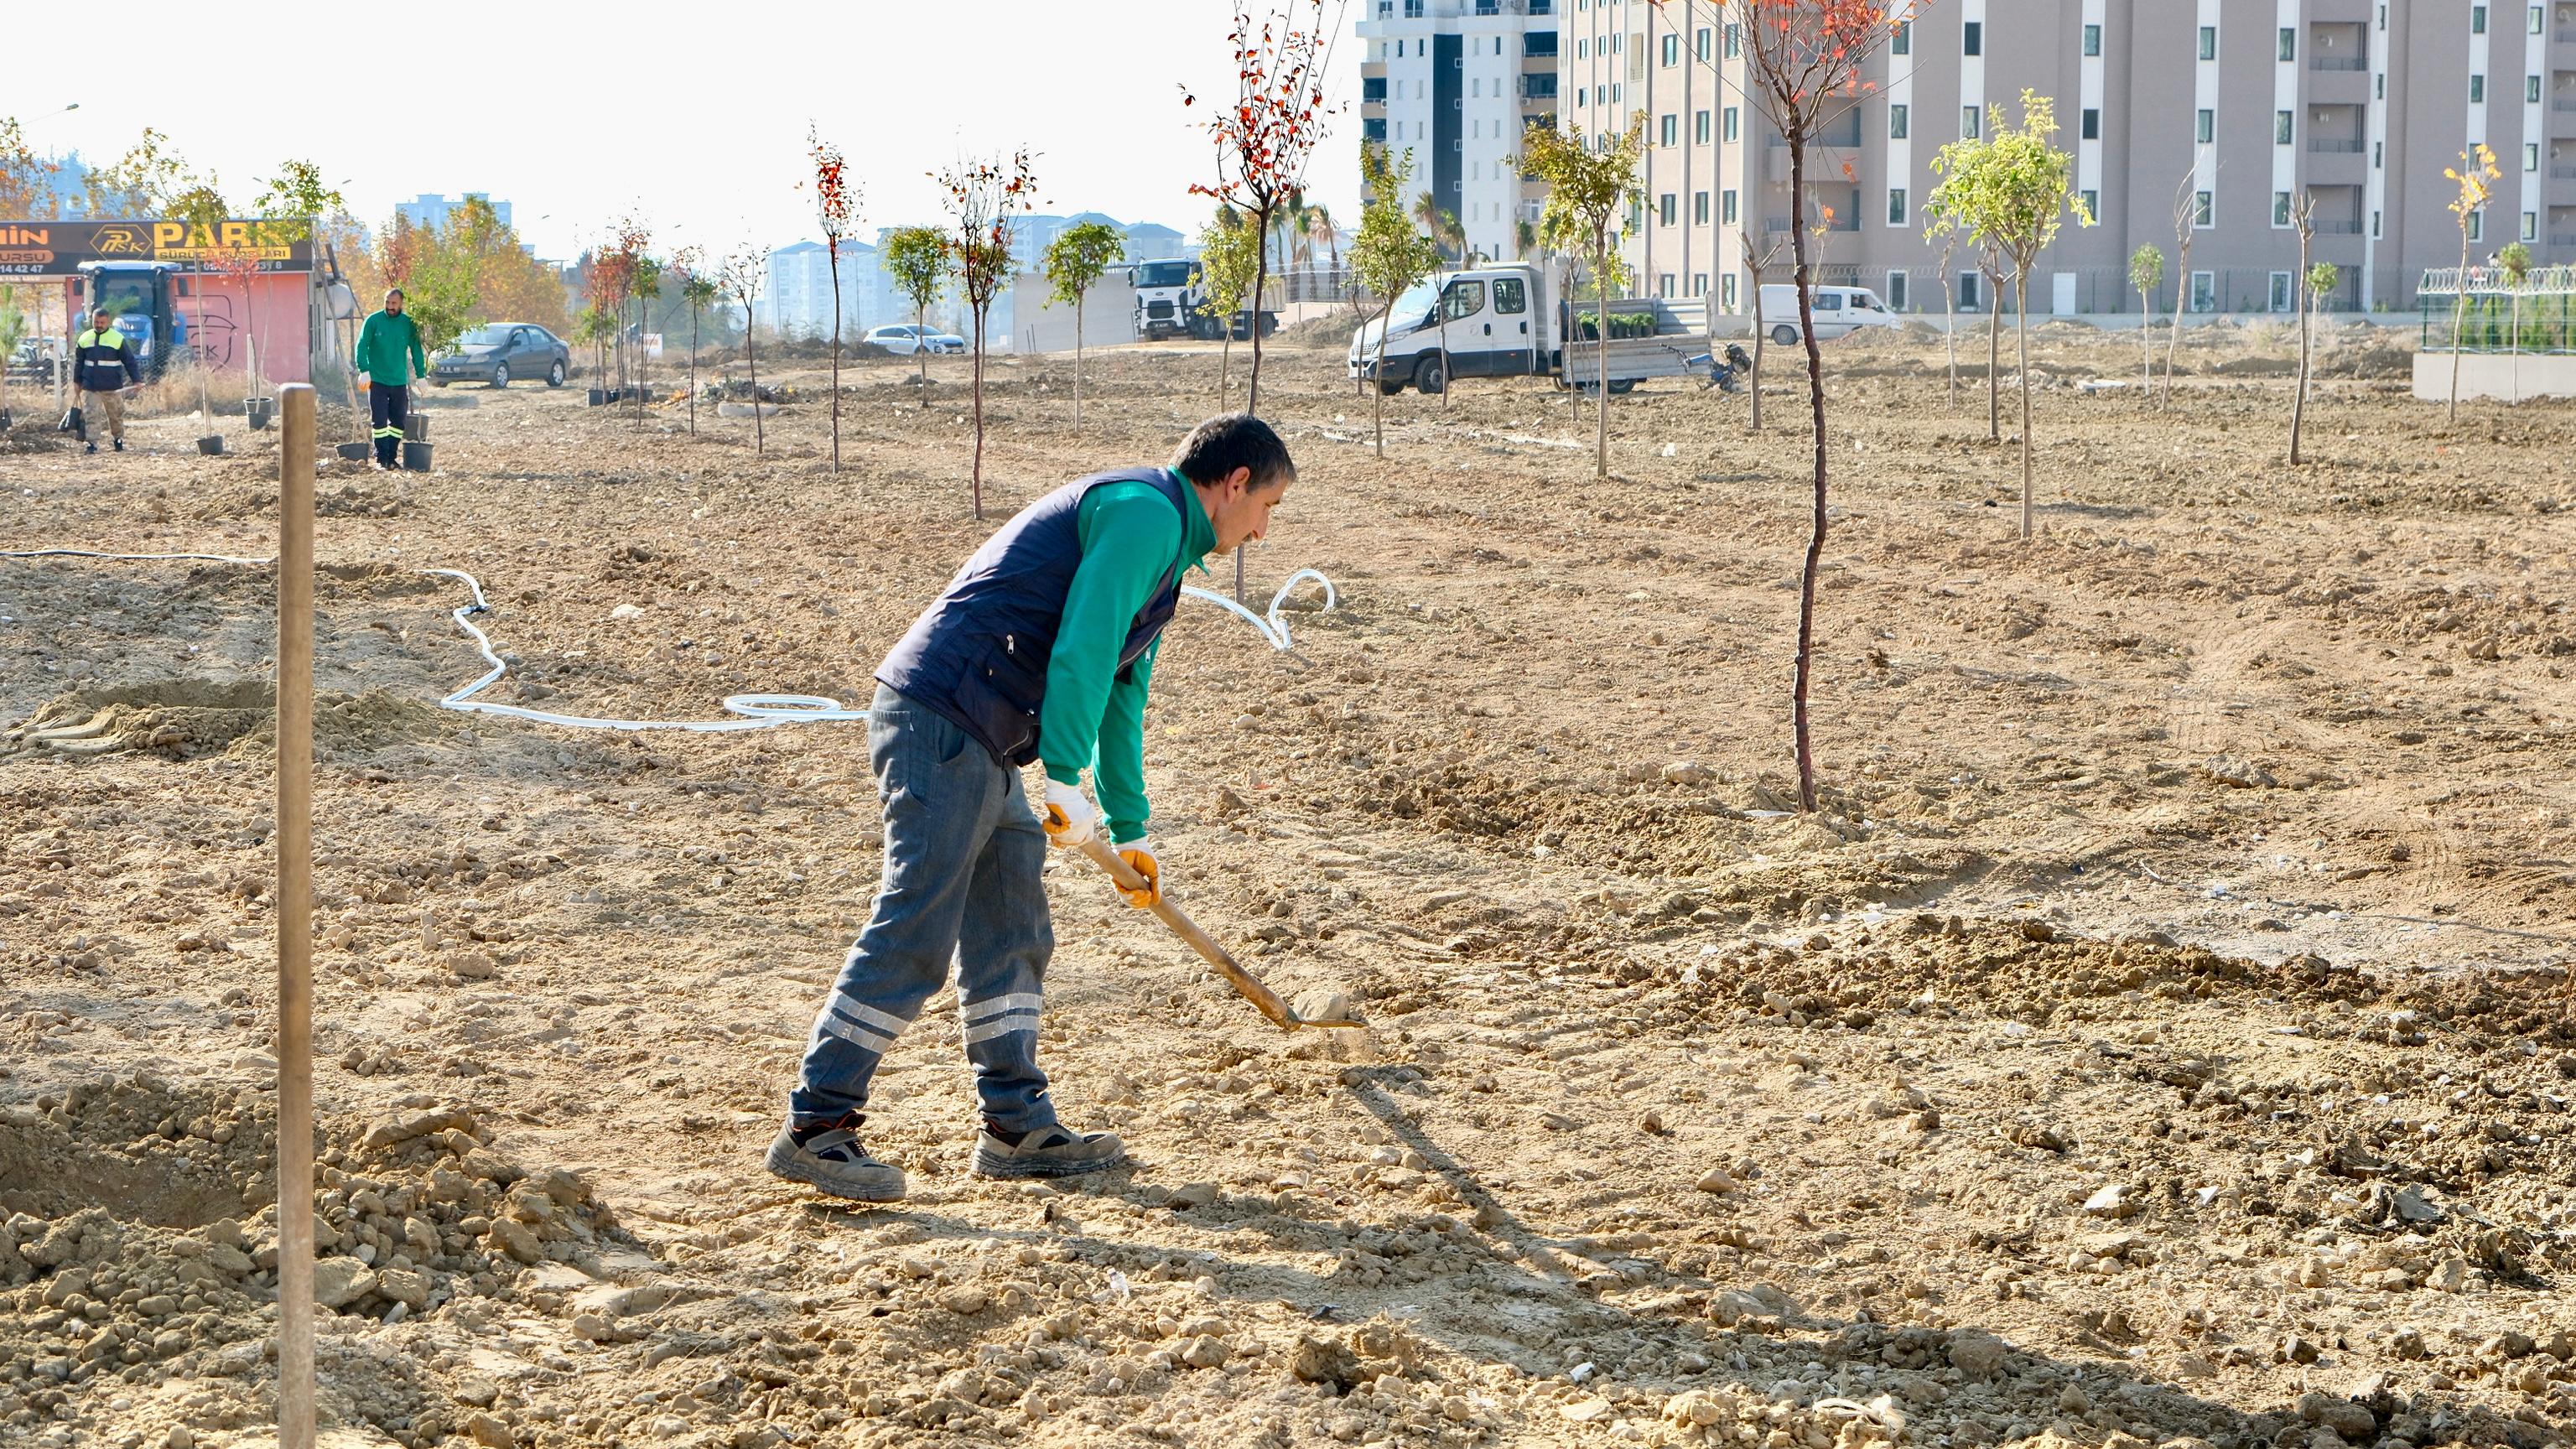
<point>2502,375</point>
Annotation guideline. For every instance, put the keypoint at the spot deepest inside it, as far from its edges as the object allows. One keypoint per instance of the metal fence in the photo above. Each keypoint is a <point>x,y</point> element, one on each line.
<point>2533,313</point>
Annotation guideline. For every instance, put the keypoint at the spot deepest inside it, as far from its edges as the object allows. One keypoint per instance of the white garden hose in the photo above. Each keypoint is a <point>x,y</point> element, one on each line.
<point>755,711</point>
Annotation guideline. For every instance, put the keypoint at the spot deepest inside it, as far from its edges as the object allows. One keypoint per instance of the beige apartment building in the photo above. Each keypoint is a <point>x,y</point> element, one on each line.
<point>2235,106</point>
<point>1455,82</point>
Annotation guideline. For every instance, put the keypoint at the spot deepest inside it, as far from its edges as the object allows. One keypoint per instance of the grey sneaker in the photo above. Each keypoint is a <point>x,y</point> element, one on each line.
<point>832,1158</point>
<point>1050,1151</point>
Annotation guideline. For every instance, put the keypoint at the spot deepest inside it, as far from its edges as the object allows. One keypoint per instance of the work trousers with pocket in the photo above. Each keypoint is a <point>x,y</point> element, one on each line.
<point>109,405</point>
<point>391,409</point>
<point>962,882</point>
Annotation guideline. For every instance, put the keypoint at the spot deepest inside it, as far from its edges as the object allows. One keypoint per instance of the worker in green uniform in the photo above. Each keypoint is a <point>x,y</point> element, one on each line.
<point>389,361</point>
<point>1040,651</point>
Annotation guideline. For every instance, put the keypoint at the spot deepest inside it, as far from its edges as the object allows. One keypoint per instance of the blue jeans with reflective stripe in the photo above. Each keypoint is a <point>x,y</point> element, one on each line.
<point>963,856</point>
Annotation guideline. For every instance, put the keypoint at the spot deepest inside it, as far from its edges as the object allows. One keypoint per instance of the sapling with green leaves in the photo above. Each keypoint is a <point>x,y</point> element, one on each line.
<point>916,257</point>
<point>2475,176</point>
<point>1229,267</point>
<point>2146,273</point>
<point>1587,189</point>
<point>1388,256</point>
<point>1079,256</point>
<point>2012,191</point>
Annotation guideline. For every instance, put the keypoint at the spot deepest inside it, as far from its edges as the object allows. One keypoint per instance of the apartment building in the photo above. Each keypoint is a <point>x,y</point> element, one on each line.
<point>2225,109</point>
<point>1455,82</point>
<point>797,300</point>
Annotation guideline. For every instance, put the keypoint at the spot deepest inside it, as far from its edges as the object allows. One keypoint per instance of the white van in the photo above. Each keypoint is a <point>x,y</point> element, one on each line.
<point>1838,310</point>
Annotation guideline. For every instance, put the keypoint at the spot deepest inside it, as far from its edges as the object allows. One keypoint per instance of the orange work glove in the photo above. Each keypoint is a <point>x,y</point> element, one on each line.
<point>1140,859</point>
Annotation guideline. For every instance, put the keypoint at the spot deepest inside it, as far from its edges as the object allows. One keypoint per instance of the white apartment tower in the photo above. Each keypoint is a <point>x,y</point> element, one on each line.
<point>1456,82</point>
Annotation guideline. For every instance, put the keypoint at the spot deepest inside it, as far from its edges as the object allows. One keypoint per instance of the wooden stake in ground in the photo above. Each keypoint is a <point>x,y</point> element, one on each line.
<point>294,898</point>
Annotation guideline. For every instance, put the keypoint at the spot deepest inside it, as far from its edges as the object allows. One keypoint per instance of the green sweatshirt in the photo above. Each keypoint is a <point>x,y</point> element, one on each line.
<point>381,345</point>
<point>1091,718</point>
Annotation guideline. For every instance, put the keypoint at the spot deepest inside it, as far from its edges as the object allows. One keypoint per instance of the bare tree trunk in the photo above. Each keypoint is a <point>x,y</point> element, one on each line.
<point>2182,299</point>
<point>1252,397</point>
<point>1760,338</point>
<point>693,370</point>
<point>2459,321</point>
<point>751,358</point>
<point>1077,358</point>
<point>1816,530</point>
<point>2146,349</point>
<point>833,245</point>
<point>979,415</point>
<point>920,350</point>
<point>1448,378</point>
<point>1601,354</point>
<point>1994,358</point>
<point>2299,401</point>
<point>1385,319</point>
<point>2021,334</point>
<point>1950,334</point>
<point>1224,361</point>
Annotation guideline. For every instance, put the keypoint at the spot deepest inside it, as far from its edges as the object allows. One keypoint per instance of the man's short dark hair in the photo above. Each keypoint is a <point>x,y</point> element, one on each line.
<point>1215,448</point>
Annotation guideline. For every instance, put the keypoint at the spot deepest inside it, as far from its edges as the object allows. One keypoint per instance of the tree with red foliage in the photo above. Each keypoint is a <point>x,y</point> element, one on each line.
<point>982,194</point>
<point>836,206</point>
<point>1263,141</point>
<point>1803,61</point>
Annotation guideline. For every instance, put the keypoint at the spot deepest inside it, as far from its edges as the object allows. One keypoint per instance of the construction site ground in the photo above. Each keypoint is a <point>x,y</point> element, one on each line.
<point>2162,1032</point>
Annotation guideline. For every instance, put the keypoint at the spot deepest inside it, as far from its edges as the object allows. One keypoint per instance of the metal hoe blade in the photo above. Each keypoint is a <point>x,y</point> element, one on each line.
<point>1280,1013</point>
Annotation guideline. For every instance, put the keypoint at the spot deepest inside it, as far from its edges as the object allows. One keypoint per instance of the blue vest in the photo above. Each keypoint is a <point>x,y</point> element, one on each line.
<point>978,657</point>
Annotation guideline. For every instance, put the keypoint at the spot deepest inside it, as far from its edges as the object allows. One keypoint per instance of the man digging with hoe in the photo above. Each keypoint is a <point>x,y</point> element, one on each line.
<point>1040,650</point>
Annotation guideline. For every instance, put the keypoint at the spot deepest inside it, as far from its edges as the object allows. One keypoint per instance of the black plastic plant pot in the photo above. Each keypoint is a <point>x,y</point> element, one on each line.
<point>599,397</point>
<point>258,411</point>
<point>212,445</point>
<point>415,457</point>
<point>416,428</point>
<point>357,452</point>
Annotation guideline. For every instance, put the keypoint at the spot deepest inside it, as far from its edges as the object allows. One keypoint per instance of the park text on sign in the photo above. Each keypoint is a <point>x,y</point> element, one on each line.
<point>57,248</point>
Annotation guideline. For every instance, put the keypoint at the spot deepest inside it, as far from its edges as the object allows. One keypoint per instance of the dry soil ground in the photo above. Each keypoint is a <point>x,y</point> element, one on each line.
<point>2162,1034</point>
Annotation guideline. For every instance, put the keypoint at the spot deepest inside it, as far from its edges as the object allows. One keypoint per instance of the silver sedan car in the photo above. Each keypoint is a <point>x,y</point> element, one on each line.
<point>903,339</point>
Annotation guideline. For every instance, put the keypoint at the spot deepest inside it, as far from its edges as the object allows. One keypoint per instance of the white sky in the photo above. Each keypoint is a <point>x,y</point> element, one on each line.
<point>392,101</point>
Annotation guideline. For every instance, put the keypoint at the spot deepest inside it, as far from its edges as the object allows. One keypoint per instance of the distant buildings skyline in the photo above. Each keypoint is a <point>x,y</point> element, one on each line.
<point>797,299</point>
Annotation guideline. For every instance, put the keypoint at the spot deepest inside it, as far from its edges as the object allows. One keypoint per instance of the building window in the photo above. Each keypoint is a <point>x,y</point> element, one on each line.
<point>1699,208</point>
<point>2531,155</point>
<point>1373,128</point>
<point>2531,90</point>
<point>2092,40</point>
<point>2282,122</point>
<point>1667,206</point>
<point>2531,226</point>
<point>1699,44</point>
<point>2289,44</point>
<point>2534,25</point>
<point>2280,208</point>
<point>1896,115</point>
<point>1581,96</point>
<point>1903,43</point>
<point>2478,225</point>
<point>2204,210</point>
<point>1699,128</point>
<point>1896,206</point>
<point>1699,284</point>
<point>2280,291</point>
<point>2204,126</point>
<point>2379,86</point>
<point>1664,285</point>
<point>1582,50</point>
<point>2209,42</point>
<point>2477,20</point>
<point>1734,43</point>
<point>1540,43</point>
<point>2204,291</point>
<point>1972,38</point>
<point>1373,88</point>
<point>1412,9</point>
<point>1672,50</point>
<point>1730,131</point>
<point>1895,297</point>
<point>2092,204</point>
<point>1726,207</point>
<point>1968,122</point>
<point>2374,226</point>
<point>2092,123</point>
<point>1726,292</point>
<point>1968,282</point>
<point>2477,90</point>
<point>2375,148</point>
<point>1672,129</point>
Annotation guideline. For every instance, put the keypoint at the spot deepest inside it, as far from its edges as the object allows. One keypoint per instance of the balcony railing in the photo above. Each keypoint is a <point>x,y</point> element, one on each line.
<point>2338,62</point>
<point>2335,146</point>
<point>2339,228</point>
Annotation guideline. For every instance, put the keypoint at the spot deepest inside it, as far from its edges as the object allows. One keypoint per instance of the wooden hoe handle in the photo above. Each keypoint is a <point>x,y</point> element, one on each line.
<point>1249,985</point>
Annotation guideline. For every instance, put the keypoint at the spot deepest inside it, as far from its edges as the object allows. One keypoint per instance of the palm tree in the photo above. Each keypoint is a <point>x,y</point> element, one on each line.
<point>1525,240</point>
<point>1426,210</point>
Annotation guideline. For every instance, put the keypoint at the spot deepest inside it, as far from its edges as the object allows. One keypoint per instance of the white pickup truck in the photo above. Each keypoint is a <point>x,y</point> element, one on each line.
<point>1506,321</point>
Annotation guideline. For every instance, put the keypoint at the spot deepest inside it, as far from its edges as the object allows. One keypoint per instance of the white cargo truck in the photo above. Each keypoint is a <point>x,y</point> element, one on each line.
<point>1506,321</point>
<point>1171,301</point>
